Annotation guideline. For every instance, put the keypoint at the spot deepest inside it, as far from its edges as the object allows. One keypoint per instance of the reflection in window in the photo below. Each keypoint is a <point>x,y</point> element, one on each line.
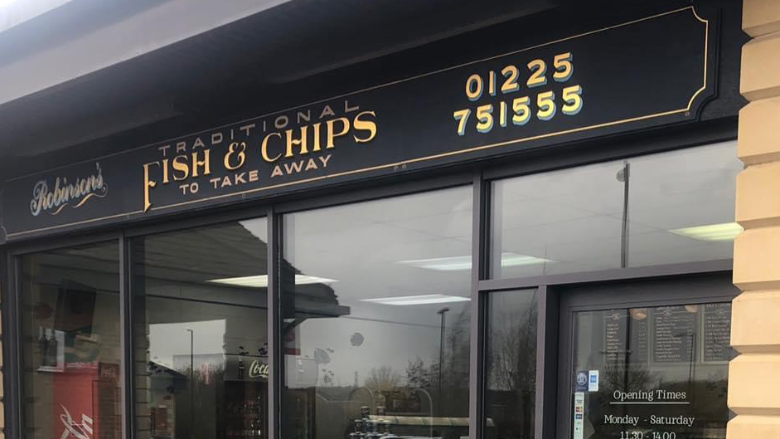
<point>200,332</point>
<point>557,222</point>
<point>682,206</point>
<point>660,372</point>
<point>510,387</point>
<point>376,318</point>
<point>70,342</point>
<point>664,208</point>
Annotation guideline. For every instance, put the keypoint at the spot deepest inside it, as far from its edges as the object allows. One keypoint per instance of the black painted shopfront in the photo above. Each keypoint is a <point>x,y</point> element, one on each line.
<point>531,242</point>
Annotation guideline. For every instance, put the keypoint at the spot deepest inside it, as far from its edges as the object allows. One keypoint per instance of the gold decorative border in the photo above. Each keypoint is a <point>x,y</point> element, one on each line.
<point>415,160</point>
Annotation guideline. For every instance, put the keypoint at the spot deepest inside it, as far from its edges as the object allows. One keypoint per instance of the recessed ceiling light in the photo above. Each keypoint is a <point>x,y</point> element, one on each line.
<point>712,232</point>
<point>261,281</point>
<point>423,299</point>
<point>456,263</point>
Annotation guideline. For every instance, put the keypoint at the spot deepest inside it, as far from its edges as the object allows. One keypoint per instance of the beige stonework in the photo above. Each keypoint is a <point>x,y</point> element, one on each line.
<point>755,326</point>
<point>755,323</point>
<point>760,67</point>
<point>757,144</point>
<point>142,423</point>
<point>758,200</point>
<point>750,392</point>
<point>752,426</point>
<point>756,256</point>
<point>761,17</point>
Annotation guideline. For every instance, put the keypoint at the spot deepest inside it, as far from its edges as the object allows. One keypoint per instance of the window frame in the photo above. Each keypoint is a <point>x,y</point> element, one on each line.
<point>479,175</point>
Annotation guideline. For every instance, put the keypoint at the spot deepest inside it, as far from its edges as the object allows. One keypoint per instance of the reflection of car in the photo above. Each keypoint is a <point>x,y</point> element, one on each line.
<point>427,427</point>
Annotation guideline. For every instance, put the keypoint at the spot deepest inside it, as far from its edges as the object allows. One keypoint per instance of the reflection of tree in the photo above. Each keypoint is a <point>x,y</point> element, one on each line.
<point>512,359</point>
<point>417,375</point>
<point>511,380</point>
<point>209,391</point>
<point>454,398</point>
<point>456,351</point>
<point>617,377</point>
<point>383,378</point>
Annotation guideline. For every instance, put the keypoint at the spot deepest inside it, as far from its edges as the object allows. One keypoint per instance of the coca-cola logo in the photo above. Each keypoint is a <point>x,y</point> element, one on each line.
<point>258,370</point>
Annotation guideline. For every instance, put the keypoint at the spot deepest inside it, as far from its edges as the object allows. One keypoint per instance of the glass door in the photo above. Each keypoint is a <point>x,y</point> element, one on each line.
<point>647,360</point>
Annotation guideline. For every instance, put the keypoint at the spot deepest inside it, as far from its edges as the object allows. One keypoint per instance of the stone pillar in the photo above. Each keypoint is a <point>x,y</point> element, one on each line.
<point>754,375</point>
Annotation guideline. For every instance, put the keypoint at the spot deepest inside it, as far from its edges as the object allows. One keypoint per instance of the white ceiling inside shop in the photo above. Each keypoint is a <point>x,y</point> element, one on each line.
<point>574,218</point>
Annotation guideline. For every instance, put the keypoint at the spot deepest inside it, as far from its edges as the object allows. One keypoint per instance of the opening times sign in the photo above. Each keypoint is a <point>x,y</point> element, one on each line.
<point>648,72</point>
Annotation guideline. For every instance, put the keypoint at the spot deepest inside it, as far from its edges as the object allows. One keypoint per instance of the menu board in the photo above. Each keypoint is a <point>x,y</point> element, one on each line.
<point>614,322</point>
<point>626,335</point>
<point>674,330</point>
<point>717,332</point>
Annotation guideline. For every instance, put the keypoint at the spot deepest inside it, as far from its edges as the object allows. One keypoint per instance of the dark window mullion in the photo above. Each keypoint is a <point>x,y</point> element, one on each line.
<point>12,397</point>
<point>479,250</point>
<point>546,363</point>
<point>274,342</point>
<point>127,381</point>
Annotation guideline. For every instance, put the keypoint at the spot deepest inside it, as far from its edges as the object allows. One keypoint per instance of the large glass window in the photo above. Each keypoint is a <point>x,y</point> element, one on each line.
<point>70,343</point>
<point>375,307</point>
<point>659,209</point>
<point>510,365</point>
<point>201,352</point>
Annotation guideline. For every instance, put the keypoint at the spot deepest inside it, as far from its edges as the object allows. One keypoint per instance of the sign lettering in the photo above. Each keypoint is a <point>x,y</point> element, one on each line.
<point>575,88</point>
<point>63,193</point>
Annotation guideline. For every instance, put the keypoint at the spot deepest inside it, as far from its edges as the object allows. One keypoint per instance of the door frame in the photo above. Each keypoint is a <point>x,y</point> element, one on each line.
<point>653,292</point>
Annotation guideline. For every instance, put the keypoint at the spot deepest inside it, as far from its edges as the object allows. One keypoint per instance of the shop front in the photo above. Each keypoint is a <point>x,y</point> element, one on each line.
<point>536,243</point>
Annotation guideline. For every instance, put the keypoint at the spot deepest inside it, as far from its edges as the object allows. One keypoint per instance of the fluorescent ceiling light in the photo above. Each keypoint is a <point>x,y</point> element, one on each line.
<point>453,263</point>
<point>261,281</point>
<point>423,299</point>
<point>516,260</point>
<point>712,232</point>
<point>456,263</point>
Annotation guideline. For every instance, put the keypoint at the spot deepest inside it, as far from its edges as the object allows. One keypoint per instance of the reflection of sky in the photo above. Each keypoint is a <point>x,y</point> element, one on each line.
<point>257,227</point>
<point>169,340</point>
